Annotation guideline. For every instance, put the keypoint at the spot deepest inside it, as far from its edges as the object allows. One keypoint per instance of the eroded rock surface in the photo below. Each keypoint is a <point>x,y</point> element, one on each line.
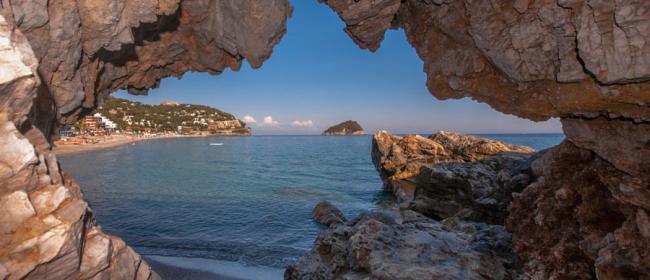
<point>582,217</point>
<point>58,60</point>
<point>583,61</point>
<point>535,58</point>
<point>451,174</point>
<point>403,244</point>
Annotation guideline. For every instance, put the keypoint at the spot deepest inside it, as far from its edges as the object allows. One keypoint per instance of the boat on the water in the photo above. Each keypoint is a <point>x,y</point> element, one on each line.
<point>216,144</point>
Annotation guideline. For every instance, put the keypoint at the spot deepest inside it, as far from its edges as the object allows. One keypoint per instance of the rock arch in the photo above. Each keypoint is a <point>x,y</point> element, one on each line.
<point>587,62</point>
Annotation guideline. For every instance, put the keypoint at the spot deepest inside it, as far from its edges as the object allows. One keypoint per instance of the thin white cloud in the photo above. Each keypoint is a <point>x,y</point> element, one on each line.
<point>268,120</point>
<point>249,119</point>
<point>303,124</point>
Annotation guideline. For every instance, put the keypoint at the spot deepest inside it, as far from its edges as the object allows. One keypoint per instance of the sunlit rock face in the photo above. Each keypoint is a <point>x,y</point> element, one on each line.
<point>88,49</point>
<point>58,59</point>
<point>587,62</point>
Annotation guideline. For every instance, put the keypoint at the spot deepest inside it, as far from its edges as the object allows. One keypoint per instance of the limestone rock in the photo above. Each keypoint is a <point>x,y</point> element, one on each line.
<point>580,219</point>
<point>327,214</point>
<point>366,20</point>
<point>450,174</point>
<point>398,158</point>
<point>535,59</point>
<point>407,245</point>
<point>475,191</point>
<point>45,222</point>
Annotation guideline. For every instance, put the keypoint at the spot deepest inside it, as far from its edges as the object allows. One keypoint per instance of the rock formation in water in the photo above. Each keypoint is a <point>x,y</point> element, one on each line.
<point>345,128</point>
<point>587,62</point>
<point>59,60</point>
<point>453,192</point>
<point>393,244</point>
<point>451,174</point>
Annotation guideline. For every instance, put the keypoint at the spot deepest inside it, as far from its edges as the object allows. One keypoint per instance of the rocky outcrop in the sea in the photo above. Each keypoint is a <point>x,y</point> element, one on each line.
<point>345,128</point>
<point>59,58</point>
<point>393,244</point>
<point>327,214</point>
<point>586,62</point>
<point>451,174</point>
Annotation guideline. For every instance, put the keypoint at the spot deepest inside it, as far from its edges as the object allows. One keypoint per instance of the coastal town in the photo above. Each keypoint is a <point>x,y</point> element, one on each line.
<point>120,121</point>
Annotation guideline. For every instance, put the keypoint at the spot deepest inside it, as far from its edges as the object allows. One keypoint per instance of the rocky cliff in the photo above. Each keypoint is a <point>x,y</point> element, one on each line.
<point>345,128</point>
<point>59,58</point>
<point>586,62</point>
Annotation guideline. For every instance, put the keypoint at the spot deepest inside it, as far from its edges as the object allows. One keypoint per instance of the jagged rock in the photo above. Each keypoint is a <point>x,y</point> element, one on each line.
<point>407,245</point>
<point>45,223</point>
<point>451,174</point>
<point>536,59</point>
<point>366,20</point>
<point>582,218</point>
<point>476,191</point>
<point>327,214</point>
<point>398,158</point>
<point>584,61</point>
<point>345,128</point>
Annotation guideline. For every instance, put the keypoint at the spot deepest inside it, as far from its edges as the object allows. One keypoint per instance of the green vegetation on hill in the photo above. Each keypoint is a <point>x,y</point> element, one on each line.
<point>159,118</point>
<point>345,128</point>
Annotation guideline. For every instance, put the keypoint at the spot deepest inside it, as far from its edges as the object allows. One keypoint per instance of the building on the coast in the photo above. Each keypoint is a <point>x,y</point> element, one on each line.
<point>107,123</point>
<point>229,124</point>
<point>90,123</point>
<point>168,103</point>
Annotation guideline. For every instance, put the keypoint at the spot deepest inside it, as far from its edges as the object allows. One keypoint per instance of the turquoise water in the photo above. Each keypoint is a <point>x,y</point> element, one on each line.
<point>248,201</point>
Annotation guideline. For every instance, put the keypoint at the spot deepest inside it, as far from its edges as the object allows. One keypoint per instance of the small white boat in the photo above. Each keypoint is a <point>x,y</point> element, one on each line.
<point>216,144</point>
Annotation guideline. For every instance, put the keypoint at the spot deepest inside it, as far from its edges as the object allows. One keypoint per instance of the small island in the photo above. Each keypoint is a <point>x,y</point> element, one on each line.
<point>345,128</point>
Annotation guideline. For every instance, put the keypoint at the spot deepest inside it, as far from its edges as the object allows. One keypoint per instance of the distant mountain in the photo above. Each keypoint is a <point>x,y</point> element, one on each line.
<point>345,128</point>
<point>168,116</point>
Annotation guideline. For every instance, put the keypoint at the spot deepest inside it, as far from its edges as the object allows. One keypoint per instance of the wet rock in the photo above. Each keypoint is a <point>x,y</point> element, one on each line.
<point>327,214</point>
<point>413,247</point>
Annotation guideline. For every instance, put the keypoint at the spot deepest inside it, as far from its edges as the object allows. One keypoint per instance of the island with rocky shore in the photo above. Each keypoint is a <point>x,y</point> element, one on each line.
<point>345,128</point>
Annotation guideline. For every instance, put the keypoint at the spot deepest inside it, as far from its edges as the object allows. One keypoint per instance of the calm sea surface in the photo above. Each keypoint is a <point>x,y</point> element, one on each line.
<point>248,201</point>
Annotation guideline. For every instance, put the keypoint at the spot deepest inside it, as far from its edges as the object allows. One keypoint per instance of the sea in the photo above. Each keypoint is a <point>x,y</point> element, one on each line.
<point>240,206</point>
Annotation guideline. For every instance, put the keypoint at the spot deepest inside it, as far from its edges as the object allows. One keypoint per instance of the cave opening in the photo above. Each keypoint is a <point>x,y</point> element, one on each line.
<point>531,59</point>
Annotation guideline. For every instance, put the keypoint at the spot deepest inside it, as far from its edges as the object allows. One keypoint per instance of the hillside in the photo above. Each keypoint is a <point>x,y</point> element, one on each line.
<point>168,116</point>
<point>345,128</point>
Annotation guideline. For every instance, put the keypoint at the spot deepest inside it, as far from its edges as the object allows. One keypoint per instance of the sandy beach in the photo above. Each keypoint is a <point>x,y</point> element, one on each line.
<point>112,142</point>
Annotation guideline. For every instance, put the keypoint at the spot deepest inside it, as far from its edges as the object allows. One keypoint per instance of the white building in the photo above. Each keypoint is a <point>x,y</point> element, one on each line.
<point>107,123</point>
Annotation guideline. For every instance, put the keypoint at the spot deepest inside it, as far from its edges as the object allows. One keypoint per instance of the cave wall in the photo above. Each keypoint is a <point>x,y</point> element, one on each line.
<point>586,62</point>
<point>58,60</point>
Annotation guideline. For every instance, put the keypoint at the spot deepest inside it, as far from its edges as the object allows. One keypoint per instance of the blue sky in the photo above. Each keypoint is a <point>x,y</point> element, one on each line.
<point>318,77</point>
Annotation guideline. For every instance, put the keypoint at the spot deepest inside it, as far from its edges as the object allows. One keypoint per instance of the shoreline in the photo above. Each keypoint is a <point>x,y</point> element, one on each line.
<point>114,142</point>
<point>184,268</point>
